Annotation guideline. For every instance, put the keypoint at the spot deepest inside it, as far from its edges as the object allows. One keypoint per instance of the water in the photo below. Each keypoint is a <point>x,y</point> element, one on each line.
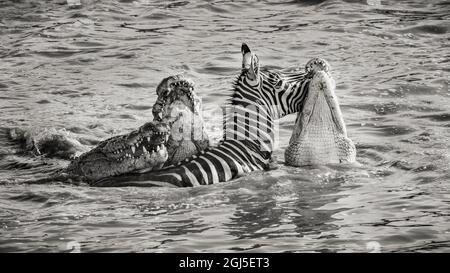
<point>93,70</point>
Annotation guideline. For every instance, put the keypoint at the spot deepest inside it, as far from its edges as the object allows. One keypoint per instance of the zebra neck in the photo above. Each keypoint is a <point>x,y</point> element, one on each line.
<point>250,124</point>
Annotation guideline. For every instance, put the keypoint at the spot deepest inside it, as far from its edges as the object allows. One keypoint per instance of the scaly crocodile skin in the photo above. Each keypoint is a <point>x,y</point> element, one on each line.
<point>179,106</point>
<point>141,149</point>
<point>320,135</point>
<point>176,133</point>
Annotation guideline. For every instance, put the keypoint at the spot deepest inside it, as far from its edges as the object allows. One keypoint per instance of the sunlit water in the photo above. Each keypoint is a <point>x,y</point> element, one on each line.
<point>93,71</point>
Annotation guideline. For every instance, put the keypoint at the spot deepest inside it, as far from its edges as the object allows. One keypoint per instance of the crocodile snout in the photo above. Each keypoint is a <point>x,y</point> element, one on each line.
<point>174,88</point>
<point>320,135</point>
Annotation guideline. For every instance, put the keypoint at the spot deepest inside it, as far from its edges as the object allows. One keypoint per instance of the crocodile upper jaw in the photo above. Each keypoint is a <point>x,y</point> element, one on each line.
<point>176,88</point>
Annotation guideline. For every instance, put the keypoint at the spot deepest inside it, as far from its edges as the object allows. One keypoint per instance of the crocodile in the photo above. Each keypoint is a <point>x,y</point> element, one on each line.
<point>142,148</point>
<point>320,136</point>
<point>176,132</point>
<point>179,106</point>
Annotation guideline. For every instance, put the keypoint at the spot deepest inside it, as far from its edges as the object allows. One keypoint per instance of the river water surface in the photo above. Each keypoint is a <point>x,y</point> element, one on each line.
<point>92,71</point>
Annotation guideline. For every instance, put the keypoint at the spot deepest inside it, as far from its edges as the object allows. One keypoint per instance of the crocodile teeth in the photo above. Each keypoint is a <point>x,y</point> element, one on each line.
<point>144,150</point>
<point>157,148</point>
<point>133,149</point>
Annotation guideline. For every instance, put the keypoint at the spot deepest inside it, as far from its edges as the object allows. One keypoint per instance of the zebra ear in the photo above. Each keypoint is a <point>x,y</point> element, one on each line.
<point>246,56</point>
<point>250,62</point>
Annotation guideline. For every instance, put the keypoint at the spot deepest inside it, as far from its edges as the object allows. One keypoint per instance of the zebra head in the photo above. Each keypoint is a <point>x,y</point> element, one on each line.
<point>260,97</point>
<point>279,93</point>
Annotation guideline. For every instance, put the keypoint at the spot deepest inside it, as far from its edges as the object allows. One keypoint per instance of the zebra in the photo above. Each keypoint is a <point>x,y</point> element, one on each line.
<point>259,97</point>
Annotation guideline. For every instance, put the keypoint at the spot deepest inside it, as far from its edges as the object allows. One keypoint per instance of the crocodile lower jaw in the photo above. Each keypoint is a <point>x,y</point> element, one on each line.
<point>320,135</point>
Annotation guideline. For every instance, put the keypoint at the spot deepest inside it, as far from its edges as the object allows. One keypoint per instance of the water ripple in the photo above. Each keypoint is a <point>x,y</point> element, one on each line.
<point>94,69</point>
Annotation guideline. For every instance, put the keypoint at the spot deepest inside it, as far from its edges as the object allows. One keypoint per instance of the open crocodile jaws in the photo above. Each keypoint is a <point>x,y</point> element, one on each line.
<point>140,149</point>
<point>320,135</point>
<point>149,147</point>
<point>179,106</point>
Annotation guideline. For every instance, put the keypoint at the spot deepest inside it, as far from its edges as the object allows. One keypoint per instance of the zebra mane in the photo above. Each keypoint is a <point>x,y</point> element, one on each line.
<point>268,76</point>
<point>235,99</point>
<point>230,101</point>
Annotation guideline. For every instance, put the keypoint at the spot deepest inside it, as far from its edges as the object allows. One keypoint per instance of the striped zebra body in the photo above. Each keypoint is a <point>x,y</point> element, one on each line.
<point>229,160</point>
<point>258,99</point>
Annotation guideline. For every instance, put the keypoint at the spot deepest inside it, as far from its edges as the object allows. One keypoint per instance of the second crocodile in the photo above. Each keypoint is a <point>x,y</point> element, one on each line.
<point>176,133</point>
